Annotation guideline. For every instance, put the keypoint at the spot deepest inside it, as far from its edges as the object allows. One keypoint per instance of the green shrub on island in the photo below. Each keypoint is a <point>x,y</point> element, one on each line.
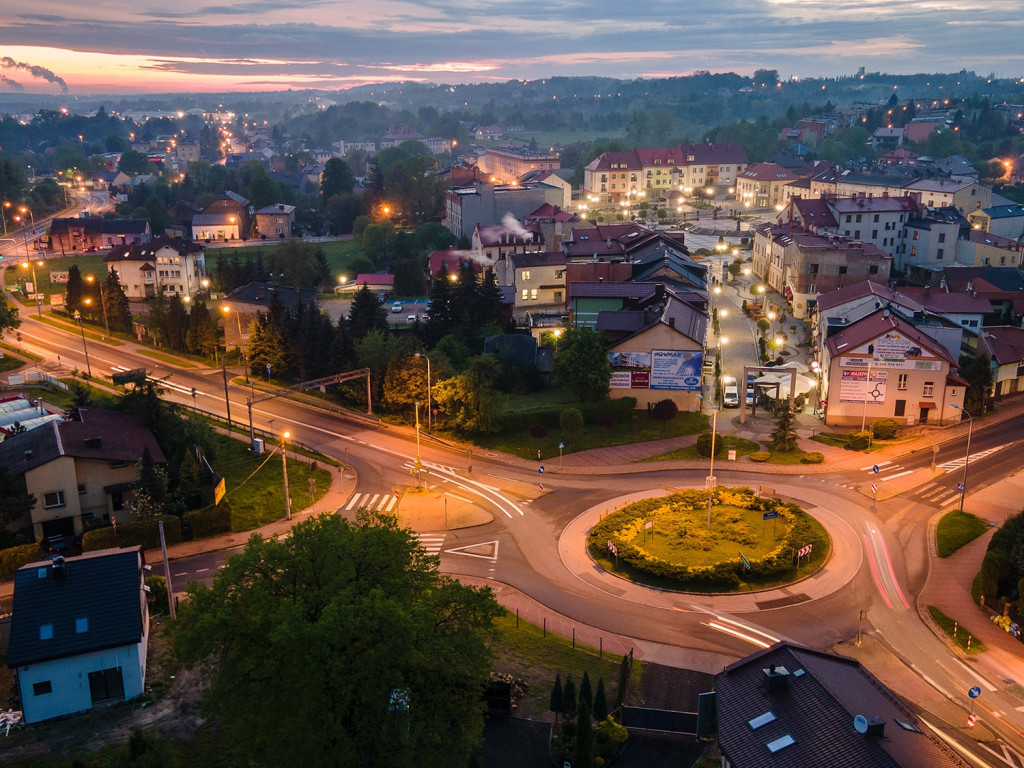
<point>859,441</point>
<point>704,442</point>
<point>885,429</point>
<point>812,457</point>
<point>760,456</point>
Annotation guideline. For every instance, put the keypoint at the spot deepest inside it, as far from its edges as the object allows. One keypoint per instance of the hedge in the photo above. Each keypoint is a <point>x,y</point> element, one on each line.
<point>885,429</point>
<point>859,441</point>
<point>704,441</point>
<point>143,533</point>
<point>621,529</point>
<point>760,456</point>
<point>812,457</point>
<point>621,409</point>
<point>209,521</point>
<point>12,558</point>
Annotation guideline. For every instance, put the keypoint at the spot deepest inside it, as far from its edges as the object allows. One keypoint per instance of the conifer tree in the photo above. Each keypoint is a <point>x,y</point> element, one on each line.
<point>784,437</point>
<point>555,703</point>
<point>584,737</point>
<point>600,702</point>
<point>570,701</point>
<point>586,693</point>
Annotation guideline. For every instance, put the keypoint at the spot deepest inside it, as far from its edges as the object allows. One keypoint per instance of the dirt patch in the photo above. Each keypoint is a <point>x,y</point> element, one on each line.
<point>664,687</point>
<point>170,705</point>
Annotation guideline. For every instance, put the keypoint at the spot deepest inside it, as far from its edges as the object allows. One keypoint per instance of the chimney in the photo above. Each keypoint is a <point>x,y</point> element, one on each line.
<point>58,568</point>
<point>671,322</point>
<point>776,678</point>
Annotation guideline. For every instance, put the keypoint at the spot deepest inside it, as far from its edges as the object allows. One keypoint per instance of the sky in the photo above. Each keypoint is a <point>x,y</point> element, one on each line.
<point>133,46</point>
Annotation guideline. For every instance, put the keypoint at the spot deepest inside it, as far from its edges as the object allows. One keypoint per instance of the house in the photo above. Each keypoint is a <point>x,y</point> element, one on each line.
<point>883,367</point>
<point>79,632</point>
<point>539,282</point>
<point>80,472</point>
<point>886,138</point>
<point>1002,220</point>
<point>253,299</point>
<point>229,217</point>
<point>277,221</point>
<point>175,265</point>
<point>488,204</point>
<point>1004,345</point>
<point>374,282</point>
<point>656,347</point>
<point>555,178</point>
<point>792,707</point>
<point>506,165</point>
<point>77,235</point>
<point>452,260</point>
<point>27,414</point>
<point>762,184</point>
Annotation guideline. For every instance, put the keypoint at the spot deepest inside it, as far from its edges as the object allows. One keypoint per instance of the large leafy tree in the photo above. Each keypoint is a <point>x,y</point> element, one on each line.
<point>9,319</point>
<point>338,646</point>
<point>337,179</point>
<point>470,402</point>
<point>581,364</point>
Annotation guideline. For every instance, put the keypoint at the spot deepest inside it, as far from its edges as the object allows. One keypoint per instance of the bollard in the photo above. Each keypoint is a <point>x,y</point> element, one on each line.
<point>545,626</point>
<point>955,625</point>
<point>600,648</point>
<point>517,618</point>
<point>574,638</point>
<point>968,642</point>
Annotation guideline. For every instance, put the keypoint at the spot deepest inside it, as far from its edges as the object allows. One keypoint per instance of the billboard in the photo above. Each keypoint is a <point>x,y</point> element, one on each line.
<point>630,370</point>
<point>678,369</point>
<point>852,388</point>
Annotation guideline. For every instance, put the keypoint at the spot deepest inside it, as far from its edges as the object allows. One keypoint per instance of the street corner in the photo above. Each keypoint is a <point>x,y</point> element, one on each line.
<point>430,510</point>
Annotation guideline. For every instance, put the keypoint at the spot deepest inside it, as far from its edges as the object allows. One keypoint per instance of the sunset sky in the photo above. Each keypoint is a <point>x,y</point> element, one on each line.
<point>126,46</point>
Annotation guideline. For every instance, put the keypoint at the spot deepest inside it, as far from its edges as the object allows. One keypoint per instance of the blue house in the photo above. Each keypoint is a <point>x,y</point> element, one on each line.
<point>79,632</point>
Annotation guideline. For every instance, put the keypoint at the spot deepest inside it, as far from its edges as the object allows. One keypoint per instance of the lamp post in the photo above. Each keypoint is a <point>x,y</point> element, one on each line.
<point>967,457</point>
<point>419,462</point>
<point>35,284</point>
<point>85,347</point>
<point>241,344</point>
<point>429,411</point>
<point>284,465</point>
<point>103,303</point>
<point>3,215</point>
<point>711,470</point>
<point>25,209</point>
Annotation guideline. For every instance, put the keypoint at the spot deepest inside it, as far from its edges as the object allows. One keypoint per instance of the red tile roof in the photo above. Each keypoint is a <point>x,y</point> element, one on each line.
<point>879,324</point>
<point>1003,343</point>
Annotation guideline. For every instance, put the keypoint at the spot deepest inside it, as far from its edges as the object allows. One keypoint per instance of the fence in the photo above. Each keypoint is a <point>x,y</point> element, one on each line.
<point>34,377</point>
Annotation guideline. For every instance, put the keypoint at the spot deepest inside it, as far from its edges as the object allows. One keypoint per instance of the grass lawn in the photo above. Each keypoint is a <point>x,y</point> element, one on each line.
<point>88,264</point>
<point>255,484</point>
<point>962,633</point>
<point>742,446</point>
<point>681,536</point>
<point>339,254</point>
<point>526,652</point>
<point>641,428</point>
<point>957,528</point>
<point>832,438</point>
<point>840,440</point>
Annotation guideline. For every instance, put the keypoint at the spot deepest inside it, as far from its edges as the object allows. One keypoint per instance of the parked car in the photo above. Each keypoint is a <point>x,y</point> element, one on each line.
<point>410,318</point>
<point>396,307</point>
<point>731,393</point>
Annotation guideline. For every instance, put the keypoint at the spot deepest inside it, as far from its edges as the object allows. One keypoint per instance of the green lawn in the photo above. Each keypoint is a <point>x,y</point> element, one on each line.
<point>681,536</point>
<point>339,254</point>
<point>742,446</point>
<point>255,484</point>
<point>956,529</point>
<point>529,653</point>
<point>962,633</point>
<point>88,264</point>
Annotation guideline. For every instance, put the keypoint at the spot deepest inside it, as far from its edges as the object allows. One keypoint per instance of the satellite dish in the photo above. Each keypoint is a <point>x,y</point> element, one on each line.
<point>860,724</point>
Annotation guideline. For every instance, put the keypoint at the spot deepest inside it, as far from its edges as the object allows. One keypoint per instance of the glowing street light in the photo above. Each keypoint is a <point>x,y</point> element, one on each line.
<point>284,466</point>
<point>420,354</point>
<point>85,347</point>
<point>35,284</point>
<point>967,457</point>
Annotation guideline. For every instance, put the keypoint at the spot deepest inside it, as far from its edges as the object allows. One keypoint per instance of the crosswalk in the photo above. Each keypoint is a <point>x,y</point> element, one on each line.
<point>939,495</point>
<point>432,542</point>
<point>379,502</point>
<point>955,464</point>
<point>887,471</point>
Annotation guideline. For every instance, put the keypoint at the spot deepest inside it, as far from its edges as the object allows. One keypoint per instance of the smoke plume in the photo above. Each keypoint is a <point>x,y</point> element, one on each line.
<point>511,224</point>
<point>15,86</point>
<point>6,62</point>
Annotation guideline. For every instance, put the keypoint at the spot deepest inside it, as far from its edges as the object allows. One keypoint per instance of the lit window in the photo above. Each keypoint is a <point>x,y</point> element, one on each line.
<point>81,625</point>
<point>526,274</point>
<point>901,382</point>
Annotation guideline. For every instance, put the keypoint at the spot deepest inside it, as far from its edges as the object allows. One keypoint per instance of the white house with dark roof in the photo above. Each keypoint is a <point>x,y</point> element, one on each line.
<point>538,280</point>
<point>79,632</point>
<point>175,265</point>
<point>1004,345</point>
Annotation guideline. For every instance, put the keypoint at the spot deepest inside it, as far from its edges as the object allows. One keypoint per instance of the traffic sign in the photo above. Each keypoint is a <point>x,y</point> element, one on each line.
<point>959,486</point>
<point>975,692</point>
<point>971,720</point>
<point>874,468</point>
<point>746,563</point>
<point>561,446</point>
<point>771,515</point>
<point>540,470</point>
<point>874,488</point>
<point>803,551</point>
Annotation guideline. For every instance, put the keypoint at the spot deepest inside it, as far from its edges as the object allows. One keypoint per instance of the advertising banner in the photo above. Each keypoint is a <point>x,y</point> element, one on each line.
<point>852,388</point>
<point>676,369</point>
<point>630,370</point>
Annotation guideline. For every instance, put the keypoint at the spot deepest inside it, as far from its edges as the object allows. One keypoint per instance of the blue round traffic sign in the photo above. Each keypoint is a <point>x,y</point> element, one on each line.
<point>874,468</point>
<point>975,692</point>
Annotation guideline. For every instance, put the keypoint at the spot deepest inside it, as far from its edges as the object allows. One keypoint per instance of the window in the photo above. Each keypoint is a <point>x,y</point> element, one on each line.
<point>929,389</point>
<point>46,631</point>
<point>814,269</point>
<point>42,688</point>
<point>856,234</point>
<point>53,499</point>
<point>901,381</point>
<point>526,274</point>
<point>873,269</point>
<point>938,253</point>
<point>859,218</point>
<point>901,408</point>
<point>526,293</point>
<point>874,234</point>
<point>917,235</point>
<point>942,237</point>
<point>533,294</point>
<point>849,218</point>
<point>118,464</point>
<point>842,270</point>
<point>81,489</point>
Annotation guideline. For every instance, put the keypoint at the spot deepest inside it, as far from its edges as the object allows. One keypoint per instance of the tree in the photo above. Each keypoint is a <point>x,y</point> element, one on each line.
<point>581,364</point>
<point>337,179</point>
<point>266,346</point>
<point>600,702</point>
<point>784,437</point>
<point>335,647</point>
<point>664,411</point>
<point>570,700</point>
<point>132,162</point>
<point>74,291</point>
<point>586,693</point>
<point>15,500</point>
<point>201,337</point>
<point>978,373</point>
<point>470,401</point>
<point>116,304</point>
<point>571,420</point>
<point>555,703</point>
<point>584,736</point>
<point>366,314</point>
<point>9,319</point>
<point>81,397</point>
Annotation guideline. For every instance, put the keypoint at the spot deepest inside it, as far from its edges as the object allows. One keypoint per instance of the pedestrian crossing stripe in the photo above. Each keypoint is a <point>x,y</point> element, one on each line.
<point>431,542</point>
<point>380,502</point>
<point>955,464</point>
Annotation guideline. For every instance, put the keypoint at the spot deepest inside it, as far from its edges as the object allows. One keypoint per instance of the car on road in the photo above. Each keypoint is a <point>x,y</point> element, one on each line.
<point>396,307</point>
<point>731,393</point>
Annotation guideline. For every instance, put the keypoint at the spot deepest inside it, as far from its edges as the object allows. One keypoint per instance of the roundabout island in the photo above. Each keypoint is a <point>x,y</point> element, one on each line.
<point>733,540</point>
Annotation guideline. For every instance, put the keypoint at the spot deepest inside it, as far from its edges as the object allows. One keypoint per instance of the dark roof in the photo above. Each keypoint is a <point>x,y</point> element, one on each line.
<point>104,588</point>
<point>546,259</point>
<point>815,700</point>
<point>146,251</point>
<point>882,323</point>
<point>1003,278</point>
<point>260,293</point>
<point>100,434</point>
<point>1003,343</point>
<point>97,226</point>
<point>512,348</point>
<point>613,290</point>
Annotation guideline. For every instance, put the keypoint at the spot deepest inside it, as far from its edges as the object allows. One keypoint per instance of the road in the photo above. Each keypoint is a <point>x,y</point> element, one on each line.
<point>532,541</point>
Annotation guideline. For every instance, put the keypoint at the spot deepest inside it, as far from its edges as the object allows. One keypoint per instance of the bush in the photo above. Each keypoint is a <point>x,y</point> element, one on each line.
<point>859,441</point>
<point>209,521</point>
<point>760,456</point>
<point>620,409</point>
<point>812,457</point>
<point>704,444</point>
<point>158,594</point>
<point>885,429</point>
<point>143,533</point>
<point>12,558</point>
<point>538,431</point>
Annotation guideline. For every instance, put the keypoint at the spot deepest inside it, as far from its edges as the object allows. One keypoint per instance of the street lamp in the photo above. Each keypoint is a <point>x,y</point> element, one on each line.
<point>85,347</point>
<point>35,285</point>
<point>3,216</point>
<point>967,457</point>
<point>420,354</point>
<point>284,465</point>
<point>711,470</point>
<point>103,303</point>
<point>419,461</point>
<point>241,344</point>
